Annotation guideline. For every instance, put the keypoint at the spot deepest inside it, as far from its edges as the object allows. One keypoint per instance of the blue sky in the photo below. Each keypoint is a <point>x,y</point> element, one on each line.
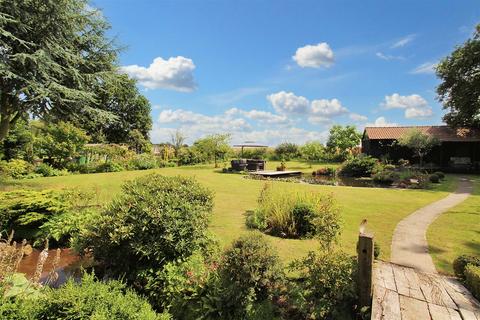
<point>274,71</point>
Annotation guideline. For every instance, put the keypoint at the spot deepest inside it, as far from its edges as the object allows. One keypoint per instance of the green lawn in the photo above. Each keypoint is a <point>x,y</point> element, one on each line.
<point>234,195</point>
<point>456,232</point>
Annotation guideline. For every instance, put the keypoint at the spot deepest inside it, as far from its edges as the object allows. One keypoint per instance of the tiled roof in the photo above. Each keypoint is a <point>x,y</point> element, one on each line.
<point>443,133</point>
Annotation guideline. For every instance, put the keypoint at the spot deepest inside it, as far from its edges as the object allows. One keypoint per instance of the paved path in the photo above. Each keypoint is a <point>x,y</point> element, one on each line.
<point>409,243</point>
<point>402,293</point>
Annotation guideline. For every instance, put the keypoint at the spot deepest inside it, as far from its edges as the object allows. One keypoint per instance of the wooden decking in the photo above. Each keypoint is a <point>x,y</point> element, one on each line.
<point>406,294</point>
<point>273,174</point>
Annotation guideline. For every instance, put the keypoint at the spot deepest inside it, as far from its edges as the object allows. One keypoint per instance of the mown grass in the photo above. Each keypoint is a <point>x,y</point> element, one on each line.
<point>456,232</point>
<point>234,195</point>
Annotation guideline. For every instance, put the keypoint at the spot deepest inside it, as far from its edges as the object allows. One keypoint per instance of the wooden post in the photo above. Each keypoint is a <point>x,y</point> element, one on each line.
<point>365,268</point>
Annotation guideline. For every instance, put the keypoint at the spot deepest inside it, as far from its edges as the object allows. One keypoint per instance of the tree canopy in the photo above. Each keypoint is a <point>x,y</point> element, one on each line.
<point>342,139</point>
<point>214,146</point>
<point>460,88</point>
<point>420,143</point>
<point>54,54</point>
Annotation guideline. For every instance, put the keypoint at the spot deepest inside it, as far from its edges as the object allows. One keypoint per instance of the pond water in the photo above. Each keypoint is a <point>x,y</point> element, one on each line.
<point>340,181</point>
<point>69,266</point>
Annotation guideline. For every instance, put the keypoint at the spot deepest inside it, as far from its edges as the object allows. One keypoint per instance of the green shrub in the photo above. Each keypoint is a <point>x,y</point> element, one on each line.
<point>156,219</point>
<point>45,170</point>
<point>440,174</point>
<point>386,177</point>
<point>109,166</point>
<point>360,166</point>
<point>286,151</point>
<point>89,299</point>
<point>250,273</point>
<point>472,279</point>
<point>15,168</point>
<point>180,285</point>
<point>326,285</point>
<point>25,211</point>
<point>143,161</point>
<point>327,171</point>
<point>433,178</point>
<point>461,262</point>
<point>376,250</point>
<point>295,214</point>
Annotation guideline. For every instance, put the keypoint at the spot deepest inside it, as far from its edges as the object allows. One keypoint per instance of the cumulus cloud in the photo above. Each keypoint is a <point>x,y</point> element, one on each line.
<point>259,115</point>
<point>358,117</point>
<point>176,73</point>
<point>424,68</point>
<point>328,108</point>
<point>196,125</point>
<point>319,120</point>
<point>403,41</point>
<point>415,106</point>
<point>381,122</point>
<point>287,102</point>
<point>314,56</point>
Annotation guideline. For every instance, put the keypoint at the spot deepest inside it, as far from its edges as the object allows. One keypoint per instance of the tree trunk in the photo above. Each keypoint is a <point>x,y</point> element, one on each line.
<point>4,127</point>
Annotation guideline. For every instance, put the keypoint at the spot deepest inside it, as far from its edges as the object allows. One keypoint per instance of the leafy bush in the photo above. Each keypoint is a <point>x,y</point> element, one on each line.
<point>460,263</point>
<point>253,153</point>
<point>326,285</point>
<point>296,214</point>
<point>433,178</point>
<point>190,155</point>
<point>109,166</point>
<point>15,168</point>
<point>472,279</point>
<point>327,171</point>
<point>180,285</point>
<point>46,170</point>
<point>249,275</point>
<point>440,174</point>
<point>25,211</point>
<point>361,166</point>
<point>89,299</point>
<point>143,161</point>
<point>386,177</point>
<point>376,250</point>
<point>156,219</point>
<point>286,151</point>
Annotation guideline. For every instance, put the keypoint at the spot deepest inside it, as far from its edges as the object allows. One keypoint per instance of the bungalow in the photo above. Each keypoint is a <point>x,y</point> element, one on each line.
<point>459,149</point>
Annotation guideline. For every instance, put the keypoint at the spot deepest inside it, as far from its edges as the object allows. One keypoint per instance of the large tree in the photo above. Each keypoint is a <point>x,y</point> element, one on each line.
<point>343,139</point>
<point>214,147</point>
<point>120,97</point>
<point>53,52</point>
<point>460,88</point>
<point>420,143</point>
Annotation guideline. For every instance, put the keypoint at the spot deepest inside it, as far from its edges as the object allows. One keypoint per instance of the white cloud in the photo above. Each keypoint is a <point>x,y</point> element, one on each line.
<point>415,106</point>
<point>196,125</point>
<point>424,68</point>
<point>319,120</point>
<point>381,122</point>
<point>418,113</point>
<point>404,41</point>
<point>328,108</point>
<point>388,57</point>
<point>176,73</point>
<point>287,102</point>
<point>358,117</point>
<point>259,115</point>
<point>314,56</point>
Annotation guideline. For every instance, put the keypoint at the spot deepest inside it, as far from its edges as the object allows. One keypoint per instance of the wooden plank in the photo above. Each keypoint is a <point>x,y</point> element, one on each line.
<point>385,304</point>
<point>443,313</point>
<point>460,295</point>
<point>467,315</point>
<point>433,288</point>
<point>386,274</point>
<point>413,309</point>
<point>407,285</point>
